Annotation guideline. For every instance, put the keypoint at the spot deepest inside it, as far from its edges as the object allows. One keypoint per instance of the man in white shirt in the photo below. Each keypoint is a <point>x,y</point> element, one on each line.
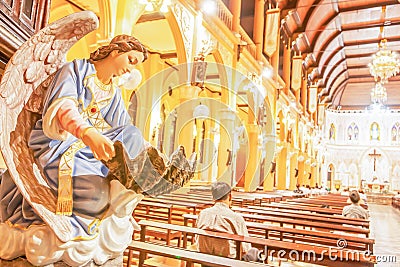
<point>221,218</point>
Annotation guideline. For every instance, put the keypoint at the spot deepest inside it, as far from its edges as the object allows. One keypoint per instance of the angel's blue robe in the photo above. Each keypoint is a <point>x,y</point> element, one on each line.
<point>90,188</point>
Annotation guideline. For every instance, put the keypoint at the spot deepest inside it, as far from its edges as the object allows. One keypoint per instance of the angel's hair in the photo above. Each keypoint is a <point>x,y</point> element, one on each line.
<point>122,43</point>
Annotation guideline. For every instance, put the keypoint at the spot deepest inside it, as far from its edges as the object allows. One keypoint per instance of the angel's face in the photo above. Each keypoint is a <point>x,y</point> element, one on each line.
<point>125,62</point>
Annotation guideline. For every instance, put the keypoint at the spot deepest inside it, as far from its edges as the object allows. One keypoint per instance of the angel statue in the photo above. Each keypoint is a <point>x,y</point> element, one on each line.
<point>77,167</point>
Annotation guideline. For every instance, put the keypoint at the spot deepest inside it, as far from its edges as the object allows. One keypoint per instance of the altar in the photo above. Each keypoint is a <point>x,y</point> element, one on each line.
<point>374,187</point>
<point>377,187</point>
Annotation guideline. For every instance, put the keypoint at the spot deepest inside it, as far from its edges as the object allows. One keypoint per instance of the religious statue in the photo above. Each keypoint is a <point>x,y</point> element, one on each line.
<point>77,167</point>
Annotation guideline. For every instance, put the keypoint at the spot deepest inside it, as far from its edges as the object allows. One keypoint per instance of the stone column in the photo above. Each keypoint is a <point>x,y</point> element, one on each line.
<point>303,95</point>
<point>258,27</point>
<point>251,178</point>
<point>313,171</point>
<point>300,167</point>
<point>227,120</point>
<point>293,165</point>
<point>281,169</point>
<point>235,8</point>
<point>287,65</point>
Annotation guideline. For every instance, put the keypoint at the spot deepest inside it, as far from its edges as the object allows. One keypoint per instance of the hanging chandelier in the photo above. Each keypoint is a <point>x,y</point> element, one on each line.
<point>378,94</point>
<point>385,63</point>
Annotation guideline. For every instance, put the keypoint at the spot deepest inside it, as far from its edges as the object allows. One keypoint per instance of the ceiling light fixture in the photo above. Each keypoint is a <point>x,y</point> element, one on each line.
<point>378,94</point>
<point>385,63</point>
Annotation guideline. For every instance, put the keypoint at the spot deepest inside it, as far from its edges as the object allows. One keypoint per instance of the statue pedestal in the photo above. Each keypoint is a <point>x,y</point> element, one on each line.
<point>22,262</point>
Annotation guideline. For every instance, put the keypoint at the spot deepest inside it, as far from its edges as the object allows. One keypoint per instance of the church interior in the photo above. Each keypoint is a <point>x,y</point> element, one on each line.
<point>293,103</point>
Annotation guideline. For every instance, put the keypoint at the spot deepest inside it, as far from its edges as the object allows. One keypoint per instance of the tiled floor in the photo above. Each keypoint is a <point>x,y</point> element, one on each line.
<point>385,229</point>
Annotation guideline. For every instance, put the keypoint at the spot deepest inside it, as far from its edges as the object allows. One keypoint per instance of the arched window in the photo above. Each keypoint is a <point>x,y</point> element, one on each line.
<point>374,131</point>
<point>350,132</point>
<point>395,134</point>
<point>356,132</point>
<point>332,132</point>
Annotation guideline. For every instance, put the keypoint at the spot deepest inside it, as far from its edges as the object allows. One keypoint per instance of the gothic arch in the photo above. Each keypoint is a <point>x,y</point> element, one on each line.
<point>381,165</point>
<point>177,34</point>
<point>353,180</point>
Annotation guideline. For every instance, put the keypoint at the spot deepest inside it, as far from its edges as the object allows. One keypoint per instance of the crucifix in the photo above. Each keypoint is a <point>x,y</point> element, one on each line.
<point>375,156</point>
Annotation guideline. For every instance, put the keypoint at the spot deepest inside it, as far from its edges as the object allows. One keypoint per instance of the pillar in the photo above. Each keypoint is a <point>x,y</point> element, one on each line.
<point>185,135</point>
<point>307,170</point>
<point>303,94</point>
<point>269,181</point>
<point>235,8</point>
<point>286,67</point>
<point>293,166</point>
<point>207,174</point>
<point>227,119</point>
<point>275,62</point>
<point>258,27</point>
<point>313,180</point>
<point>251,178</point>
<point>300,167</point>
<point>281,169</point>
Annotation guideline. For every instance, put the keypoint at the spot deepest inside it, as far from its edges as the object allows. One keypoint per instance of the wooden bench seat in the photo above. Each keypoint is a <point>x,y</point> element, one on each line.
<point>296,206</point>
<point>396,202</point>
<point>307,212</point>
<point>157,212</point>
<point>302,223</point>
<point>186,255</point>
<point>319,202</point>
<point>274,248</point>
<point>308,217</point>
<point>300,235</point>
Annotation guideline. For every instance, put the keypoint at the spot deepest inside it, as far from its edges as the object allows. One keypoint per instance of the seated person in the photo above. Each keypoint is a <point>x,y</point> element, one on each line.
<point>363,196</point>
<point>354,210</point>
<point>298,190</point>
<point>221,218</point>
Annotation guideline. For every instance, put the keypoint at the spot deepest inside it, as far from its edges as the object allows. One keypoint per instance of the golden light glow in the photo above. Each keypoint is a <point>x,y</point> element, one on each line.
<point>385,63</point>
<point>152,5</point>
<point>378,94</point>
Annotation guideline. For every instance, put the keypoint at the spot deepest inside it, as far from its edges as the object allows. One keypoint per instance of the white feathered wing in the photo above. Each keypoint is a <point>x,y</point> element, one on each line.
<point>23,86</point>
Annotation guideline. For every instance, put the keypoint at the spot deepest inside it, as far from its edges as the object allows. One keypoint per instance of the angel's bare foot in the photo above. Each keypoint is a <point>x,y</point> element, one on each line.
<point>122,201</point>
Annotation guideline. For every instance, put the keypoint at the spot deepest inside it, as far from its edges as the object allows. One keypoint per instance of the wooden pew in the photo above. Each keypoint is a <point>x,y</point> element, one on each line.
<point>302,223</point>
<point>308,217</point>
<point>300,235</point>
<point>317,202</point>
<point>185,255</point>
<point>297,206</point>
<point>275,248</point>
<point>238,199</point>
<point>396,202</point>
<point>157,212</point>
<point>178,205</point>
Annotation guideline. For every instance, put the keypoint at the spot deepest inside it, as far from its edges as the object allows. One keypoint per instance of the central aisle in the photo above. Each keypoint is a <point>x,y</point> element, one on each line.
<point>384,226</point>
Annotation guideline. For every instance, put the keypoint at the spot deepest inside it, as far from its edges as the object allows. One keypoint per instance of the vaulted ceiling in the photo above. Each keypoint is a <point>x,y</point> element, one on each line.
<point>337,39</point>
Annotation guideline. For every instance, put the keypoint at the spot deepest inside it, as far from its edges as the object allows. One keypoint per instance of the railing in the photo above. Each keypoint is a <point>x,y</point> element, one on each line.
<point>251,46</point>
<point>224,14</point>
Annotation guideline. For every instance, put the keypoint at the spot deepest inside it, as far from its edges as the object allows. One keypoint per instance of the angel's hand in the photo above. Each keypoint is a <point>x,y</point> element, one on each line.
<point>101,146</point>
